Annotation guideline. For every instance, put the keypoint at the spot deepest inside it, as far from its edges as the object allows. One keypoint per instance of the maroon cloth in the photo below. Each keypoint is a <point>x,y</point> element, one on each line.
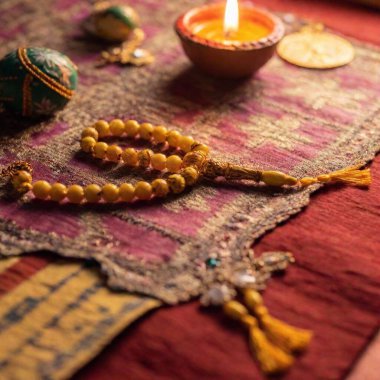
<point>333,288</point>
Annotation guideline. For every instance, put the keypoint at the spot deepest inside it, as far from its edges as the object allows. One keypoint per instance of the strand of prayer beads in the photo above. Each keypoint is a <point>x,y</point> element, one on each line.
<point>177,172</point>
<point>181,172</point>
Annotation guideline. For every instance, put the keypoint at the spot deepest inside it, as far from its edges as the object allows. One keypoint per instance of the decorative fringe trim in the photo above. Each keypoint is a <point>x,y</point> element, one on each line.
<point>289,338</point>
<point>272,359</point>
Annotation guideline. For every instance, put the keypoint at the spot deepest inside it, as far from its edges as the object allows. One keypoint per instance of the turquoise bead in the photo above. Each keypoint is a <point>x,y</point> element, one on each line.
<point>113,23</point>
<point>36,81</point>
<point>212,262</point>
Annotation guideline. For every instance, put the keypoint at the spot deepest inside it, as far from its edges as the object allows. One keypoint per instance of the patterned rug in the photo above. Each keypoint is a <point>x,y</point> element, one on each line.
<point>300,121</point>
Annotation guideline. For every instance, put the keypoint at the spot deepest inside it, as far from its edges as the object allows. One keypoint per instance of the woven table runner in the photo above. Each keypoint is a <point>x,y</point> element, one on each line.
<point>300,121</point>
<point>296,120</point>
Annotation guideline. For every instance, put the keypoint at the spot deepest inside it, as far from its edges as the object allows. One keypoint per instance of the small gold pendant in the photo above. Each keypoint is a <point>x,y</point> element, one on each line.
<point>314,48</point>
<point>128,52</point>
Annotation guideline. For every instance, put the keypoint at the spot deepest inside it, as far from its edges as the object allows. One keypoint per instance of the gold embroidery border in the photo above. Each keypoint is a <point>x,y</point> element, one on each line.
<point>37,73</point>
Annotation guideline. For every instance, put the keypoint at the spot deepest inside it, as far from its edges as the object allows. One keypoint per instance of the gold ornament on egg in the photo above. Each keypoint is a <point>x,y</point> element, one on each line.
<point>119,24</point>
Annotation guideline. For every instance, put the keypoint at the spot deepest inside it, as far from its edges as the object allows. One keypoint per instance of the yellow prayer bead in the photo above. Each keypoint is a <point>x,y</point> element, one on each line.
<point>144,157</point>
<point>176,183</point>
<point>194,159</point>
<point>87,144</point>
<point>114,153</point>
<point>146,130</point>
<point>58,192</point>
<point>130,157</point>
<point>173,138</point>
<point>185,143</point>
<point>100,149</point>
<point>93,193</point>
<point>131,128</point>
<point>90,132</point>
<point>20,177</point>
<point>173,163</point>
<point>190,174</point>
<point>117,127</point>
<point>143,190</point>
<point>197,147</point>
<point>102,128</point>
<point>110,192</point>
<point>159,134</point>
<point>126,192</point>
<point>41,189</point>
<point>160,187</point>
<point>75,193</point>
<point>158,161</point>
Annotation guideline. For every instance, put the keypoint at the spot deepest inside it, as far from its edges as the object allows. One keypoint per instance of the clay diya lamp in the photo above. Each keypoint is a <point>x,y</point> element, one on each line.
<point>228,41</point>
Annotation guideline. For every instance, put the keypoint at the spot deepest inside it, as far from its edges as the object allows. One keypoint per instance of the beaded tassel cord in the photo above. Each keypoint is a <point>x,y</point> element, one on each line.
<point>178,172</point>
<point>272,359</point>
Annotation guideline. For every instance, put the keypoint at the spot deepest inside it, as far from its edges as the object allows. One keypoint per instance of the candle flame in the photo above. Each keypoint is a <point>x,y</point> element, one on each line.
<point>231,17</point>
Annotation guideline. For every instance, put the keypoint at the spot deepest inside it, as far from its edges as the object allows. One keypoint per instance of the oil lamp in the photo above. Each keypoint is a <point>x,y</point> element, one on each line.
<point>229,41</point>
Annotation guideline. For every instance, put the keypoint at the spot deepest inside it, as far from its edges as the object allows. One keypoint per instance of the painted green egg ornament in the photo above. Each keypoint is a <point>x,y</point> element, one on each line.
<point>113,22</point>
<point>36,81</point>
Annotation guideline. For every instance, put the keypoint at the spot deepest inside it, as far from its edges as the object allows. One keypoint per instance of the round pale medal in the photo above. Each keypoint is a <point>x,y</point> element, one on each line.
<point>313,48</point>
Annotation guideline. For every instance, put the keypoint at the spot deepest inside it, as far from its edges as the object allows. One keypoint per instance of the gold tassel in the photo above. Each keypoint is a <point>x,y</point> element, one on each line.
<point>212,169</point>
<point>351,176</point>
<point>289,338</point>
<point>272,359</point>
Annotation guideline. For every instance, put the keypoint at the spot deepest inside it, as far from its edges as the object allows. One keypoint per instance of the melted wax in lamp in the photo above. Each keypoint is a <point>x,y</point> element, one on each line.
<point>231,28</point>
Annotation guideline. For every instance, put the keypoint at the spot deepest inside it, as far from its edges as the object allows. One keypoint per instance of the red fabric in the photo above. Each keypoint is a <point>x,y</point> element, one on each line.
<point>21,270</point>
<point>333,288</point>
<point>352,20</point>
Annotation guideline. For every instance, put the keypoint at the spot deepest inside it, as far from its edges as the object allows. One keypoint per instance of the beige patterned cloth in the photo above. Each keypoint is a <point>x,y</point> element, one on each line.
<point>300,121</point>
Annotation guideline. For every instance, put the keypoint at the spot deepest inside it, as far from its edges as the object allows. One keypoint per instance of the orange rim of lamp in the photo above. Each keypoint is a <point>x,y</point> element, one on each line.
<point>228,59</point>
